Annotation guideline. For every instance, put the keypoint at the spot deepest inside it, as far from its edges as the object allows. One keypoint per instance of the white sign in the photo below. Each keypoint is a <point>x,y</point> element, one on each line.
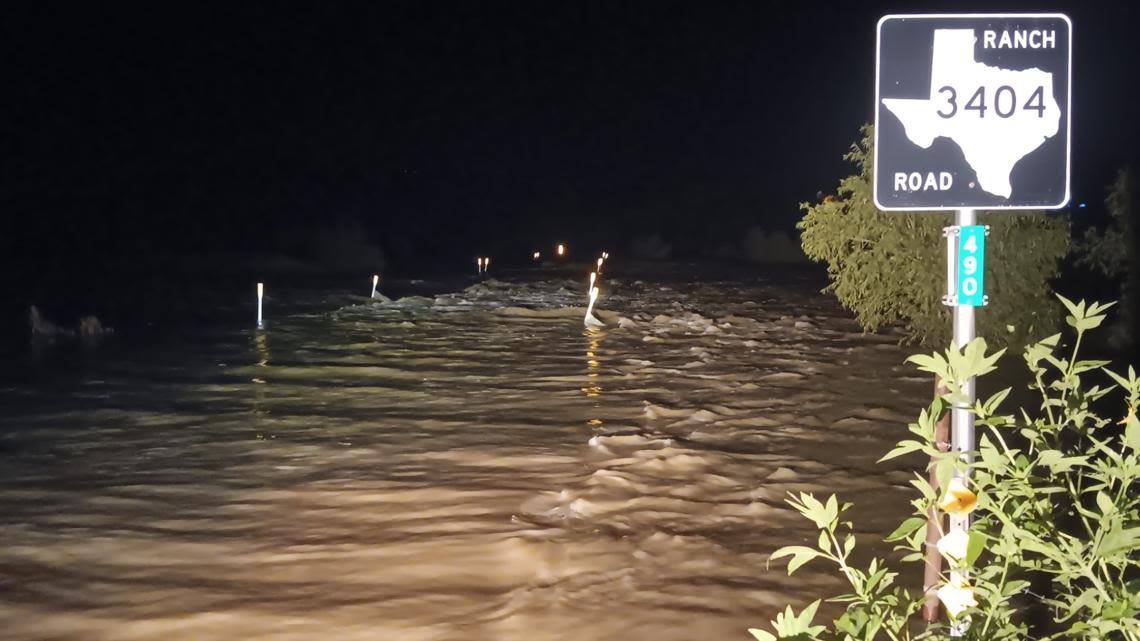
<point>972,111</point>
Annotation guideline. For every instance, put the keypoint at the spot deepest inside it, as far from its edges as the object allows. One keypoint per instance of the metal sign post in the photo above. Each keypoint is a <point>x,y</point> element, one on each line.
<point>971,113</point>
<point>965,281</point>
<point>964,277</point>
<point>965,290</point>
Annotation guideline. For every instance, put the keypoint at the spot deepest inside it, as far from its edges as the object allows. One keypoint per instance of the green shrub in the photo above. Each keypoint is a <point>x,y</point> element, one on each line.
<point>1112,251</point>
<point>890,267</point>
<point>1109,251</point>
<point>1053,549</point>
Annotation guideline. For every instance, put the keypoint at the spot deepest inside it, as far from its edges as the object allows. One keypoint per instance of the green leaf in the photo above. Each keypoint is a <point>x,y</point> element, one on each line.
<point>922,485</point>
<point>904,447</point>
<point>1104,504</point>
<point>1049,551</point>
<point>1076,311</point>
<point>805,617</point>
<point>944,468</point>
<point>992,459</point>
<point>762,635</point>
<point>991,404</point>
<point>852,622</point>
<point>815,511</point>
<point>1118,609</point>
<point>875,577</point>
<point>1086,366</point>
<point>974,547</point>
<point>1086,600</point>
<point>1120,380</point>
<point>800,555</point>
<point>1057,462</point>
<point>831,510</point>
<point>1013,587</point>
<point>933,363</point>
<point>788,625</point>
<point>1040,350</point>
<point>1132,432</point>
<point>1119,540</point>
<point>906,528</point>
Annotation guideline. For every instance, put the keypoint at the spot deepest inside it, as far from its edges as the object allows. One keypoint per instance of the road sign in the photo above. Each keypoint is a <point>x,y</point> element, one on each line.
<point>971,264</point>
<point>972,111</point>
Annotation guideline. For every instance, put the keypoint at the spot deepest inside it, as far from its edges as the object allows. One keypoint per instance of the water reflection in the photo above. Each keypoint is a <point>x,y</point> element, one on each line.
<point>260,409</point>
<point>593,387</point>
<point>261,344</point>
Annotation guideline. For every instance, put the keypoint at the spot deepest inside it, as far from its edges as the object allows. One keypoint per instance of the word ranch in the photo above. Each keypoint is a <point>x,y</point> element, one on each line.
<point>1020,39</point>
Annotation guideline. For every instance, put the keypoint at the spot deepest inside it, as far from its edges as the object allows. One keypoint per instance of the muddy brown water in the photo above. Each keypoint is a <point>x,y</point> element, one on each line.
<point>475,465</point>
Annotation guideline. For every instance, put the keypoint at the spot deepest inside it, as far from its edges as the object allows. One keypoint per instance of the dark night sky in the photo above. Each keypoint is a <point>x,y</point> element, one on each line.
<point>133,130</point>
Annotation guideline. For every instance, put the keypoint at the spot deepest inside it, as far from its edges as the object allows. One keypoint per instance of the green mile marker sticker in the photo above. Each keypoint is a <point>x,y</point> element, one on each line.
<point>971,261</point>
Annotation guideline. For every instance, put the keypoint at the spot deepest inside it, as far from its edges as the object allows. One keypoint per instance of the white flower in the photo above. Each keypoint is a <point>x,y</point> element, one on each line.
<point>957,596</point>
<point>953,546</point>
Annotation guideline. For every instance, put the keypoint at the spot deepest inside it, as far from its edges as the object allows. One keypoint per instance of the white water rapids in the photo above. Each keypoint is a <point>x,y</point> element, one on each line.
<point>473,466</point>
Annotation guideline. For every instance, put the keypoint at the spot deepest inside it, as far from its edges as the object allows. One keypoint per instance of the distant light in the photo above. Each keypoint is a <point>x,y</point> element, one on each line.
<point>537,255</point>
<point>560,249</point>
<point>1081,206</point>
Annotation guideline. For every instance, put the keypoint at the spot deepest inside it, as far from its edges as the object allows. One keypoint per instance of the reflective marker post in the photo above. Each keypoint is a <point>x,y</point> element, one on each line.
<point>260,295</point>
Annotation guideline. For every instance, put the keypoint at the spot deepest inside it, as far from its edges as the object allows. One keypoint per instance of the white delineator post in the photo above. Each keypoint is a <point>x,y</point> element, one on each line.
<point>591,320</point>
<point>260,295</point>
<point>375,282</point>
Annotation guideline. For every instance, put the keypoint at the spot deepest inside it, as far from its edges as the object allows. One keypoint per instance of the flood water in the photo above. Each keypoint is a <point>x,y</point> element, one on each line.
<point>474,465</point>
